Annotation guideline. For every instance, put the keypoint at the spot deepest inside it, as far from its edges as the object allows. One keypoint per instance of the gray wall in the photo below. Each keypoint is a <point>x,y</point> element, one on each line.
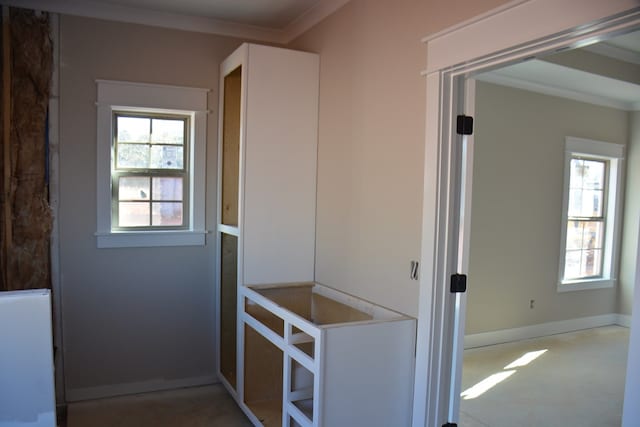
<point>141,315</point>
<point>630,236</point>
<point>516,210</point>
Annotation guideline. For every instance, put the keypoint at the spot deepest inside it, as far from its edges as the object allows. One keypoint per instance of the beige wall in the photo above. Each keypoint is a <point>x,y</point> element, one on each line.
<point>142,314</point>
<point>516,210</point>
<point>628,259</point>
<point>371,142</point>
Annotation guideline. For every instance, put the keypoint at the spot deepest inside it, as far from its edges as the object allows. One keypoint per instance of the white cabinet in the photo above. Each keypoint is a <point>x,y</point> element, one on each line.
<point>314,356</point>
<point>267,179</point>
<point>297,353</point>
<point>27,395</point>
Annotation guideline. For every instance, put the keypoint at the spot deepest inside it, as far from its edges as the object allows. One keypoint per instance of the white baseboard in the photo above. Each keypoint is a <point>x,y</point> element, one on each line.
<point>544,329</point>
<point>624,320</point>
<point>112,390</point>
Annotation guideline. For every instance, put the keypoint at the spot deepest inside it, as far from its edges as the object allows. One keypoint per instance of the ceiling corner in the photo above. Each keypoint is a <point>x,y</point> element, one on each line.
<point>310,18</point>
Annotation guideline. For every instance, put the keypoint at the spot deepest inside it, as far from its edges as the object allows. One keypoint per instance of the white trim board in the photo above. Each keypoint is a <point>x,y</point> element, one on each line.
<point>544,329</point>
<point>112,390</point>
<point>200,24</point>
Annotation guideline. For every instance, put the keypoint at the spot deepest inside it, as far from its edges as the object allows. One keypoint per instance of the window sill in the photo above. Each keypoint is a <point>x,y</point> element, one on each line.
<point>581,285</point>
<point>148,239</point>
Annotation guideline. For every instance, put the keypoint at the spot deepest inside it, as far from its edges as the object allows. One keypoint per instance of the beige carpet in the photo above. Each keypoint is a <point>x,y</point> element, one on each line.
<point>578,381</point>
<point>209,406</point>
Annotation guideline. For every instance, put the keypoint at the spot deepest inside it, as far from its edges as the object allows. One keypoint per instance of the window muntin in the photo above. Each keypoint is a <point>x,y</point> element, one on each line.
<point>149,171</point>
<point>585,219</point>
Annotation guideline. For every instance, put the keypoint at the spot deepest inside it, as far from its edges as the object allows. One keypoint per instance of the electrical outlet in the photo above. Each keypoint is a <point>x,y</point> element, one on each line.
<point>532,303</point>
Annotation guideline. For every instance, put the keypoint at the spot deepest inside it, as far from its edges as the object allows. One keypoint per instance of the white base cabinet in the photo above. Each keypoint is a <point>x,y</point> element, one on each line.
<point>314,356</point>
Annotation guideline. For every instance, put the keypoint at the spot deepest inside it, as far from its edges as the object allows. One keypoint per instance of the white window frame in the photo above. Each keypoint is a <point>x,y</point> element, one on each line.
<point>151,98</point>
<point>614,155</point>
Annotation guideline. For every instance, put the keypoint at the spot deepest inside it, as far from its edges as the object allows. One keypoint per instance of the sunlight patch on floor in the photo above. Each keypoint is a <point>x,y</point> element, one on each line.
<point>495,379</point>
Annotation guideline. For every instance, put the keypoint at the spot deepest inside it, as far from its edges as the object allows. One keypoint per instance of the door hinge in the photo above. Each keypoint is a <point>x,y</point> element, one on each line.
<point>458,283</point>
<point>464,125</point>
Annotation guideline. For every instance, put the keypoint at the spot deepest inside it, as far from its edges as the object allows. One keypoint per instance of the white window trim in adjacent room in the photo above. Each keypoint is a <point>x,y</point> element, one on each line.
<point>614,155</point>
<point>151,98</point>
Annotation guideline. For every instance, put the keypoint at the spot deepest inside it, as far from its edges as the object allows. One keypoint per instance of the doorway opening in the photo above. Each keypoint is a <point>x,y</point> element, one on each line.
<point>448,74</point>
<point>521,243</point>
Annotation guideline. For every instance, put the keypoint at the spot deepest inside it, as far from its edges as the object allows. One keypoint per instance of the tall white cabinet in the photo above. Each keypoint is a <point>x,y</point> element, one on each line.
<point>293,353</point>
<point>267,181</point>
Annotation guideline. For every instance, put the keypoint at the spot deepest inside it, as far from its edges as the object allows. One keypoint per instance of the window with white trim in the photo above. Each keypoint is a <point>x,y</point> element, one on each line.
<point>151,165</point>
<point>593,172</point>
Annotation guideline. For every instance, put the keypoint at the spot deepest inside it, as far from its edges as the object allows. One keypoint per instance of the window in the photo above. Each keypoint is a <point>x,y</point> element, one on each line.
<point>151,165</point>
<point>593,172</point>
<point>150,173</point>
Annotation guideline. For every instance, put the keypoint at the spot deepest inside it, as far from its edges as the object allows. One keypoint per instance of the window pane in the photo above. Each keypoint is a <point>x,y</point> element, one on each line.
<point>167,157</point>
<point>134,129</point>
<point>167,188</point>
<point>593,233</point>
<point>133,214</point>
<point>167,213</point>
<point>133,188</point>
<point>575,232</point>
<point>594,174</point>
<point>575,202</point>
<point>577,172</point>
<point>133,156</point>
<point>572,265</point>
<point>168,131</point>
<point>591,203</point>
<point>591,262</point>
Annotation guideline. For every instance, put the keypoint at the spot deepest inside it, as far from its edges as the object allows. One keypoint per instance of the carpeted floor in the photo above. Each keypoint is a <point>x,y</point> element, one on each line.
<point>578,381</point>
<point>209,406</point>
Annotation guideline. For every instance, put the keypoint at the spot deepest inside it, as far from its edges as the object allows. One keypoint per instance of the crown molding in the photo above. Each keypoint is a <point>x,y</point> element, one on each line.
<point>200,24</point>
<point>615,52</point>
<point>131,15</point>
<point>313,16</point>
<point>517,83</point>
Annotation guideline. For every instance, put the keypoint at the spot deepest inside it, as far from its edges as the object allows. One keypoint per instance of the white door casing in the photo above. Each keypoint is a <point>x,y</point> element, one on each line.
<point>513,32</point>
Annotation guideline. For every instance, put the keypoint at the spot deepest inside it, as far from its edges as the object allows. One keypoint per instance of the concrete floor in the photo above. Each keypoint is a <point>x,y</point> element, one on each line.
<point>208,406</point>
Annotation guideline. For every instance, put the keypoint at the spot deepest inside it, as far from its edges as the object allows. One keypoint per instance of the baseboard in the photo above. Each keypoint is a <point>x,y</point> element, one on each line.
<point>544,329</point>
<point>624,320</point>
<point>112,390</point>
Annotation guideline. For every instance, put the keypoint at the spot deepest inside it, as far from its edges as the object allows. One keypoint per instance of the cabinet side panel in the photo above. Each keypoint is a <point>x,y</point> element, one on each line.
<point>368,375</point>
<point>280,165</point>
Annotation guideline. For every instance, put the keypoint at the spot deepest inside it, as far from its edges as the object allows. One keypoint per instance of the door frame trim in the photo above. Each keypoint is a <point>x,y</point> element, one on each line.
<point>507,35</point>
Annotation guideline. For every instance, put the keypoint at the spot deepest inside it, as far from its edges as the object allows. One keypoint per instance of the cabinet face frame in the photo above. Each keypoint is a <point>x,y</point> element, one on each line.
<point>232,63</point>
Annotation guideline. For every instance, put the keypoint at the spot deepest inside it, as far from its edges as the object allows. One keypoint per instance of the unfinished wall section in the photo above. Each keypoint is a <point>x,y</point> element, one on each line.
<point>25,215</point>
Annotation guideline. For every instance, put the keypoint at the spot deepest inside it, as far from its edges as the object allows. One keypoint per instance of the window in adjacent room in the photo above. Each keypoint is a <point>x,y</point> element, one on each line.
<point>591,200</point>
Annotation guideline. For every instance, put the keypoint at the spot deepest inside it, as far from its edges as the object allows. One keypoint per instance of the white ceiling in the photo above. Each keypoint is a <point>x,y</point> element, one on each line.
<point>277,21</point>
<point>273,14</point>
<point>538,75</point>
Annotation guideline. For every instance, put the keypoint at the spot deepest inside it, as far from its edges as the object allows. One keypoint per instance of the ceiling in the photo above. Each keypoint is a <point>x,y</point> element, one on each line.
<point>605,73</point>
<point>277,21</point>
<point>273,14</point>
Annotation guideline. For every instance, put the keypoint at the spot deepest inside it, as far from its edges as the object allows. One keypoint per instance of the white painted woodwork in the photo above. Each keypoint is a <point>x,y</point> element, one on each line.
<point>279,149</point>
<point>26,359</point>
<point>361,370</point>
<point>278,154</point>
<point>631,409</point>
<point>515,31</point>
<point>278,129</point>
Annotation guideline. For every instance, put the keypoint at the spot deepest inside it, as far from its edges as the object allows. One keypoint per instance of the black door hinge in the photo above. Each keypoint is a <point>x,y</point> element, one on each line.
<point>450,425</point>
<point>458,283</point>
<point>464,125</point>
